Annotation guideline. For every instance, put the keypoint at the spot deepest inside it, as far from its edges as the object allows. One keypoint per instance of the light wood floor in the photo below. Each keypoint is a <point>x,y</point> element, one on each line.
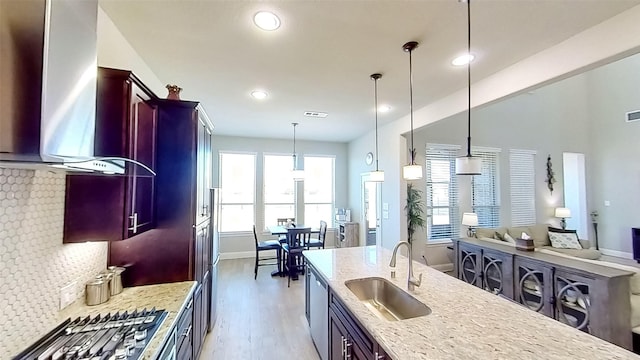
<point>258,319</point>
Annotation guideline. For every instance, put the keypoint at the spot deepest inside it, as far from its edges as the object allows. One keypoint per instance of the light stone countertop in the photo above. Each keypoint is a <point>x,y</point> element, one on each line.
<point>466,323</point>
<point>171,297</point>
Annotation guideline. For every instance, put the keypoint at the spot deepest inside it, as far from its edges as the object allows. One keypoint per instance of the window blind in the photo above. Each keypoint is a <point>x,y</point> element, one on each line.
<point>523,187</point>
<point>485,188</point>
<point>443,217</point>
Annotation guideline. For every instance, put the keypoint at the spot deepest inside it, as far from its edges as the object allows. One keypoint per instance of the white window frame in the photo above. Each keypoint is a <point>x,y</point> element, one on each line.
<point>449,153</point>
<point>485,188</point>
<point>522,182</point>
<point>263,206</point>
<point>255,174</point>
<point>330,221</point>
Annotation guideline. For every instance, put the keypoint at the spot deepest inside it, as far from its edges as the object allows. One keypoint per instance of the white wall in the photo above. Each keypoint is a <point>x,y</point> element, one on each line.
<point>116,52</point>
<point>614,169</point>
<point>603,43</point>
<point>242,244</point>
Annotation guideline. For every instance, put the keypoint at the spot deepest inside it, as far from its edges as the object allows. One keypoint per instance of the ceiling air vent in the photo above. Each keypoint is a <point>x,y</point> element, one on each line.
<point>315,114</point>
<point>632,116</point>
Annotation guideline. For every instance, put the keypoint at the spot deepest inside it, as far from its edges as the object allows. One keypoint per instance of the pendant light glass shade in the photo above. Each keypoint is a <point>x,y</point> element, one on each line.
<point>296,174</point>
<point>468,164</point>
<point>377,175</point>
<point>412,171</point>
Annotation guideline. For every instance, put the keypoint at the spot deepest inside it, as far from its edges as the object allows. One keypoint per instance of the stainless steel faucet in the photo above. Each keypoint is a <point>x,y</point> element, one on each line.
<point>412,282</point>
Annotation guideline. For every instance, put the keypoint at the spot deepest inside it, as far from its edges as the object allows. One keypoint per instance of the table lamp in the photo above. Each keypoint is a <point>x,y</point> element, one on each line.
<point>563,213</point>
<point>471,221</point>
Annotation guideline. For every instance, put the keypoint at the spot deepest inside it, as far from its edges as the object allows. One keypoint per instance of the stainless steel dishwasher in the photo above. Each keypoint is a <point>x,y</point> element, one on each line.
<point>319,313</point>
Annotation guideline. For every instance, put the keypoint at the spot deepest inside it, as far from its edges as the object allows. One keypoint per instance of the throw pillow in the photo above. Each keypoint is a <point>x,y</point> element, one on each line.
<point>509,239</point>
<point>564,239</point>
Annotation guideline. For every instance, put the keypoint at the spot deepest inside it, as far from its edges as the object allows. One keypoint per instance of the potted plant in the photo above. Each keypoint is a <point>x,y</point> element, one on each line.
<point>415,211</point>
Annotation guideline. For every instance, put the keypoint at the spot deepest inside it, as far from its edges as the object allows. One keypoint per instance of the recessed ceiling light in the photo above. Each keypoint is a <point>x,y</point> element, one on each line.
<point>259,94</point>
<point>266,20</point>
<point>384,108</point>
<point>463,59</point>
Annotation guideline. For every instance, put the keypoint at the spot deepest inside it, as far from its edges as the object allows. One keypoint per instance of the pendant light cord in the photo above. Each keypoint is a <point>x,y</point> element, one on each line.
<point>413,160</point>
<point>295,157</point>
<point>375,92</point>
<point>469,77</point>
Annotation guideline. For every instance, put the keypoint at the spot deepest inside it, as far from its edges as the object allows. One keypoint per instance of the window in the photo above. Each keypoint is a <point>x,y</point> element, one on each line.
<point>279,188</point>
<point>523,187</point>
<point>237,195</point>
<point>485,188</point>
<point>443,218</point>
<point>318,189</point>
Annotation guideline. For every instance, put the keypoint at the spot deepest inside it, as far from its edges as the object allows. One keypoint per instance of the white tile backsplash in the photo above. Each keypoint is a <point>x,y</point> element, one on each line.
<point>34,263</point>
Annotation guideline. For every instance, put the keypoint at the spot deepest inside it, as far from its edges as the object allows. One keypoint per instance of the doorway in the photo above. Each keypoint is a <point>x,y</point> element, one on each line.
<point>371,209</point>
<point>575,192</point>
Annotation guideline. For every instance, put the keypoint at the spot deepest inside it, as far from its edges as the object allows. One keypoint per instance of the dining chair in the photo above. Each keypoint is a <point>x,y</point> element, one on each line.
<point>267,245</point>
<point>322,234</point>
<point>297,241</point>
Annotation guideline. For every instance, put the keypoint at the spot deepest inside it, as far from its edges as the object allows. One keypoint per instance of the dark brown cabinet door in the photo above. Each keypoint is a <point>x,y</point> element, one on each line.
<point>142,147</point>
<point>204,173</point>
<point>198,250</point>
<point>197,321</point>
<point>337,337</point>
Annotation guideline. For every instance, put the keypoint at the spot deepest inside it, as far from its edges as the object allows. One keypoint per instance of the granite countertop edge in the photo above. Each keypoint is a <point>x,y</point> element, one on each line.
<point>453,338</point>
<point>171,297</point>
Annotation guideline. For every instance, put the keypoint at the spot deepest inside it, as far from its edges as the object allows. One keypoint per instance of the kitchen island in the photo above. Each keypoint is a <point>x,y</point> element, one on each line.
<point>172,297</point>
<point>466,322</point>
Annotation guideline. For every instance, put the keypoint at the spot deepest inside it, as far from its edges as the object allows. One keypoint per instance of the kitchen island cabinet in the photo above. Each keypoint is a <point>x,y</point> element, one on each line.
<point>466,322</point>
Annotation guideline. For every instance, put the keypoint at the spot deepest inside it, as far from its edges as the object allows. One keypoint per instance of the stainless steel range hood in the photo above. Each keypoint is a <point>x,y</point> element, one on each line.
<point>48,69</point>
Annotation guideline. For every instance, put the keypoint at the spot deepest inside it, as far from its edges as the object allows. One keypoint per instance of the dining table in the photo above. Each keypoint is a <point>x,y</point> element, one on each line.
<point>283,230</point>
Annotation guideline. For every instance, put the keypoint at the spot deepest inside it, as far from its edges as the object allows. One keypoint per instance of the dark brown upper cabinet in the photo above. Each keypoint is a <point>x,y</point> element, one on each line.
<point>116,207</point>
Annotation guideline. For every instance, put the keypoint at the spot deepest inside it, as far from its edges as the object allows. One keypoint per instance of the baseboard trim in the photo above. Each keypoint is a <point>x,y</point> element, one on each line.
<point>443,267</point>
<point>237,255</point>
<point>616,253</point>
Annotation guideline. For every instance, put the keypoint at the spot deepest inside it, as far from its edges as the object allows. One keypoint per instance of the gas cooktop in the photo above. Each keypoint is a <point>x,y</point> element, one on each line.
<point>121,336</point>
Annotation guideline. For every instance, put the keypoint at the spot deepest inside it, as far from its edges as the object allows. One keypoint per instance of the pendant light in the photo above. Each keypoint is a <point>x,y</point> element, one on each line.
<point>297,175</point>
<point>377,175</point>
<point>412,171</point>
<point>468,165</point>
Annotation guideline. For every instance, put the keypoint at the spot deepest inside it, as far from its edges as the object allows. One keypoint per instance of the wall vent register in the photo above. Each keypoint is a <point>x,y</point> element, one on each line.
<point>632,116</point>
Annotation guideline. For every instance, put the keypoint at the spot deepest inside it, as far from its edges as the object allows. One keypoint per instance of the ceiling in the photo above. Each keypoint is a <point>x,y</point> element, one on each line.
<point>321,57</point>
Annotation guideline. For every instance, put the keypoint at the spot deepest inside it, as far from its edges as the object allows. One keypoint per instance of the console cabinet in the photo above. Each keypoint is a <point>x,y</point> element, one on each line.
<point>589,297</point>
<point>485,268</point>
<point>347,234</point>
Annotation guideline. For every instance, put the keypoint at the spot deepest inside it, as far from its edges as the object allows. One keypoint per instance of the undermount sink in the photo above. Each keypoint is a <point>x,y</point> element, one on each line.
<point>386,300</point>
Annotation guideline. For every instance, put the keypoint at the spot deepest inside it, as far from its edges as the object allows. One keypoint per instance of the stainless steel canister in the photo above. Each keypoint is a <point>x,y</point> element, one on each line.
<point>97,291</point>
<point>116,280</point>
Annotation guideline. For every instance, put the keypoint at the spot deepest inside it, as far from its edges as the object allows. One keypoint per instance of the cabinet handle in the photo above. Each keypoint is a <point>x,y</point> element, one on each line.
<point>347,353</point>
<point>190,303</point>
<point>342,339</point>
<point>134,222</point>
<point>186,333</point>
<point>378,357</point>
<point>205,210</point>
